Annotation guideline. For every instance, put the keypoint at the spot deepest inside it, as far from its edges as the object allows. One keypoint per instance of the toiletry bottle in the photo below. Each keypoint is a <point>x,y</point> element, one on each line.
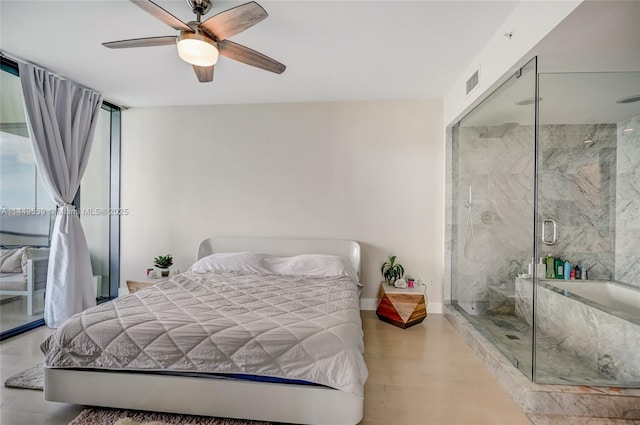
<point>567,270</point>
<point>541,269</point>
<point>559,268</point>
<point>578,272</point>
<point>530,267</point>
<point>572,276</point>
<point>551,267</point>
<point>584,272</point>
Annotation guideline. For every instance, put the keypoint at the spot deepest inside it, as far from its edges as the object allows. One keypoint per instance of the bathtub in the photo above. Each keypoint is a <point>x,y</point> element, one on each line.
<point>599,321</point>
<point>615,298</point>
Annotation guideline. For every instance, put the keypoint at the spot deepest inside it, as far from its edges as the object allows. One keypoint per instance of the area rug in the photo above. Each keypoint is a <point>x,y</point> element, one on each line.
<point>30,379</point>
<point>99,416</point>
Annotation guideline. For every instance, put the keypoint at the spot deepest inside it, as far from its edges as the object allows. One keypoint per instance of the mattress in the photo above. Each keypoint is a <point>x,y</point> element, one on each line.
<point>269,325</point>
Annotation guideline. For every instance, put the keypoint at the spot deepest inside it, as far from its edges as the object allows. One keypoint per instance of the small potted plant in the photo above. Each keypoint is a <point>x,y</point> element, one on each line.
<point>163,262</point>
<point>392,271</point>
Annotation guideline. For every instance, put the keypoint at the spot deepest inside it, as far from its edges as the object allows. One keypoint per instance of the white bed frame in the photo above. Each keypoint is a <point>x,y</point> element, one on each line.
<point>218,397</point>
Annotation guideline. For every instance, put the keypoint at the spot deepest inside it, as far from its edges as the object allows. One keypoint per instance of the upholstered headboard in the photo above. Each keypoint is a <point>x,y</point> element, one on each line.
<point>283,247</point>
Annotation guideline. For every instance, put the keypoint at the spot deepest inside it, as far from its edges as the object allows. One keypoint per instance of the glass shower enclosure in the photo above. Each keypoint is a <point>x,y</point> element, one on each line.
<point>545,243</point>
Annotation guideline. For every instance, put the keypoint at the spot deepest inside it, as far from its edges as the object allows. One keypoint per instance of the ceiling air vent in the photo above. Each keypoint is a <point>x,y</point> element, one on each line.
<point>472,82</point>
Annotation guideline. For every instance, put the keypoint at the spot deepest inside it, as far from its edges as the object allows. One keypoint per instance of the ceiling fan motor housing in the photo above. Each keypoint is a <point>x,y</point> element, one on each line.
<point>201,7</point>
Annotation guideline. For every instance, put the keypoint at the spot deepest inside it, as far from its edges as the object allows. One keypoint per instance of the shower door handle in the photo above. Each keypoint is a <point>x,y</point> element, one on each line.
<point>554,237</point>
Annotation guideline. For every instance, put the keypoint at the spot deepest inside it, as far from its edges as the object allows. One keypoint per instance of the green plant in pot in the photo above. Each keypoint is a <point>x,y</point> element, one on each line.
<point>163,262</point>
<point>392,271</point>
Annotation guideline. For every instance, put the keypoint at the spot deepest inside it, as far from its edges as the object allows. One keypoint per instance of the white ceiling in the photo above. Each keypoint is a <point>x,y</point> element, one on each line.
<point>587,63</point>
<point>334,50</point>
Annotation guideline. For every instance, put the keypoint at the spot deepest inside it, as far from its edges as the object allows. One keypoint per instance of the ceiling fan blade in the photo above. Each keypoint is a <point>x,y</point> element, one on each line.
<point>245,55</point>
<point>234,21</point>
<point>142,42</point>
<point>204,73</point>
<point>161,14</point>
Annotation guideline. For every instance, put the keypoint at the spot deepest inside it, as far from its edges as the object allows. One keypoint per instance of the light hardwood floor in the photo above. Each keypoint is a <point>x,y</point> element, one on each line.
<point>417,376</point>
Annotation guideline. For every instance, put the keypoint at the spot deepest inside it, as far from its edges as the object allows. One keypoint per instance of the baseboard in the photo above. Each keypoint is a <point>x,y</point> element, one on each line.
<point>370,304</point>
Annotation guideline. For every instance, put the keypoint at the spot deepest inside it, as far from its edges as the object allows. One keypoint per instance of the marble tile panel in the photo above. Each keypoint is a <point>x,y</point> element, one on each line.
<point>510,186</point>
<point>593,182</point>
<point>602,135</point>
<point>569,323</point>
<point>628,215</point>
<point>524,299</point>
<point>470,134</point>
<point>478,207</point>
<point>599,266</point>
<point>570,161</point>
<point>512,161</point>
<point>569,404</point>
<point>628,186</point>
<point>513,215</point>
<point>560,211</point>
<point>625,408</point>
<point>554,186</point>
<point>474,161</point>
<point>522,136</point>
<point>627,242</point>
<point>590,212</point>
<point>628,158</point>
<point>576,420</point>
<point>628,268</point>
<point>478,184</point>
<point>551,136</point>
<point>617,346</point>
<point>633,122</point>
<point>586,239</point>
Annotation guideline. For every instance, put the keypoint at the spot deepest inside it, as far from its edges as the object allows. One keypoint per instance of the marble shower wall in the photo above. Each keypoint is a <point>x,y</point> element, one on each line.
<point>577,188</point>
<point>497,163</point>
<point>627,245</point>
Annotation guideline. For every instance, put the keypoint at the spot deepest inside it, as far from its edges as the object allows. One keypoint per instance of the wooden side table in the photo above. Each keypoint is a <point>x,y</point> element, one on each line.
<point>141,283</point>
<point>401,307</point>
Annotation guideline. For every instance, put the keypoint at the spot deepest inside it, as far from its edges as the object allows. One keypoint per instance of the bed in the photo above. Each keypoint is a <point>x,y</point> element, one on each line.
<point>251,338</point>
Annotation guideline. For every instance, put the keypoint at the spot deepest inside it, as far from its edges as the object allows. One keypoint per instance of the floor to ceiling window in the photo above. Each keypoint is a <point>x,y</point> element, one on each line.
<point>27,211</point>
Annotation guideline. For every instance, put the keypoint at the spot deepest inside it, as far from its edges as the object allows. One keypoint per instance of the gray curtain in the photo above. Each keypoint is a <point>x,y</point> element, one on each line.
<point>62,118</point>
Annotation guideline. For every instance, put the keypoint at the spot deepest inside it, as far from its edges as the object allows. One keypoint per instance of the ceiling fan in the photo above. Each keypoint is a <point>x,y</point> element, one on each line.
<point>200,43</point>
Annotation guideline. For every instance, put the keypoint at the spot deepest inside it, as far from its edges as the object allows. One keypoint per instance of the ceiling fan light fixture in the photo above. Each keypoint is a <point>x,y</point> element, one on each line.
<point>197,49</point>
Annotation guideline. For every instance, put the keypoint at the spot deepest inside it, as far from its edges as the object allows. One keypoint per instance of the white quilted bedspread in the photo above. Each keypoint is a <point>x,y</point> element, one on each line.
<point>305,328</point>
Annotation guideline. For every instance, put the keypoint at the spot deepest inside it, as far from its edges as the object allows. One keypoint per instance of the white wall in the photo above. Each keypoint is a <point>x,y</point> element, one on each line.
<point>368,171</point>
<point>530,22</point>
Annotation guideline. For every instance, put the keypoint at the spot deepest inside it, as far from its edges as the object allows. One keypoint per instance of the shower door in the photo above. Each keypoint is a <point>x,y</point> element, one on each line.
<point>588,330</point>
<point>492,244</point>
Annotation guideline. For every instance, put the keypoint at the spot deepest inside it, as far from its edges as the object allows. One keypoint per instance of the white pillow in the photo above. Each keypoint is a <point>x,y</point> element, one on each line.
<point>311,265</point>
<point>231,262</point>
<point>11,260</point>
<point>299,265</point>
